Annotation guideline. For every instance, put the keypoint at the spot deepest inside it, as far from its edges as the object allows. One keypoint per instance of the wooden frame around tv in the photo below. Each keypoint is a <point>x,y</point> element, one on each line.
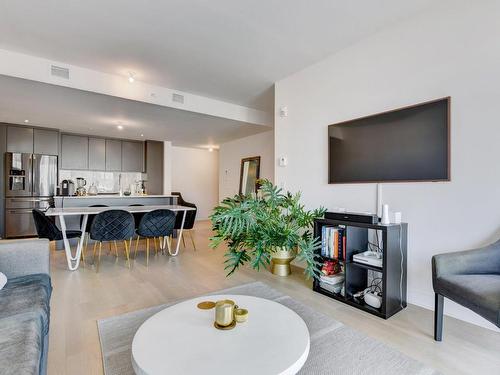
<point>448,120</point>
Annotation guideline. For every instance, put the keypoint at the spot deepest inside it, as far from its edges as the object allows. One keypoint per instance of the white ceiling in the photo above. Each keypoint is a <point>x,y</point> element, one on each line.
<point>90,113</point>
<point>232,50</point>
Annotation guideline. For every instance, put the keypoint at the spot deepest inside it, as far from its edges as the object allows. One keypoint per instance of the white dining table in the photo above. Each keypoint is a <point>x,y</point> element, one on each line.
<point>61,213</point>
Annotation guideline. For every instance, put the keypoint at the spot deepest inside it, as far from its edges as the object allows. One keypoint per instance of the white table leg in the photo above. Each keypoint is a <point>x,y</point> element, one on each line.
<point>179,237</point>
<point>67,248</point>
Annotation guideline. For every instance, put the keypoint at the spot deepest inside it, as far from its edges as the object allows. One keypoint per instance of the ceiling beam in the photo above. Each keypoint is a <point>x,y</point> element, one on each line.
<point>39,69</point>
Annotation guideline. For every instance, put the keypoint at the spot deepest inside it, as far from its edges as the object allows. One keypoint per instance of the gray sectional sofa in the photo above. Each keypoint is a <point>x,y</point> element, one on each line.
<point>24,307</point>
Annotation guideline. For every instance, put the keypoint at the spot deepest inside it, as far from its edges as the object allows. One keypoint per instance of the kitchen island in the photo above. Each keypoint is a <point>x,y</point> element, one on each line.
<point>112,200</point>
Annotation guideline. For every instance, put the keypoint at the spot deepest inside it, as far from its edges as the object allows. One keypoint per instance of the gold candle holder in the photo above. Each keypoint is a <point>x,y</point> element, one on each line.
<point>224,314</point>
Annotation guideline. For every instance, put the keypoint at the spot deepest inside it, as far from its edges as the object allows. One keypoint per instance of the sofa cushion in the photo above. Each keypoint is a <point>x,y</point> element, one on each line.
<point>27,296</point>
<point>480,293</point>
<point>21,345</point>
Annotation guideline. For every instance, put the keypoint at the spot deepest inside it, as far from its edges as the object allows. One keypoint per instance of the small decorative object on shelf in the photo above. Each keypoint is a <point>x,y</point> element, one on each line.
<point>331,267</point>
<point>270,227</point>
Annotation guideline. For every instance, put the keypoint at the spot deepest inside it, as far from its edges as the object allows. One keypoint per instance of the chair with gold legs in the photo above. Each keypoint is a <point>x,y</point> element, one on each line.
<point>157,223</point>
<point>87,230</point>
<point>188,222</point>
<point>138,217</point>
<point>112,225</point>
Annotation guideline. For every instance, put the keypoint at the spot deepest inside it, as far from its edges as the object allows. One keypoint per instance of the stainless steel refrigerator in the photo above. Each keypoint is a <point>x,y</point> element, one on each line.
<point>30,182</point>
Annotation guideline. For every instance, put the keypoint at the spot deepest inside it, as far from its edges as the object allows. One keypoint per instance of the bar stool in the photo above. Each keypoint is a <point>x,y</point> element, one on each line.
<point>157,223</point>
<point>112,225</point>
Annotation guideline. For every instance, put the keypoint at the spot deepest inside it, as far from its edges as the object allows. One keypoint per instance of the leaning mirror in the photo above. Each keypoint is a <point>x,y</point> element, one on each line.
<point>249,174</point>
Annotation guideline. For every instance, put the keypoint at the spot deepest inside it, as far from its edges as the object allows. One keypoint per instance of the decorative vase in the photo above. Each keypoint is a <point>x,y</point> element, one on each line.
<point>280,261</point>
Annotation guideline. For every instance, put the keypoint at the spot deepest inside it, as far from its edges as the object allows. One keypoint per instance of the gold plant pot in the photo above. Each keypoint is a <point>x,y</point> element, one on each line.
<point>280,261</point>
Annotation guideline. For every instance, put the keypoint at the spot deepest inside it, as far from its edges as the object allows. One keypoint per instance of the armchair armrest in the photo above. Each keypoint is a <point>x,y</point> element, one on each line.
<point>24,257</point>
<point>485,260</point>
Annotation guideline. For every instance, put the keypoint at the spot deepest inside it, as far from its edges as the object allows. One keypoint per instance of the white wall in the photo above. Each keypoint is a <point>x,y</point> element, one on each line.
<point>167,167</point>
<point>453,51</point>
<point>195,174</point>
<point>231,153</point>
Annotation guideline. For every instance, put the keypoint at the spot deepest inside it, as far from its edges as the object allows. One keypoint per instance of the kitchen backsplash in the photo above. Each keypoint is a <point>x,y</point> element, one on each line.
<point>106,182</point>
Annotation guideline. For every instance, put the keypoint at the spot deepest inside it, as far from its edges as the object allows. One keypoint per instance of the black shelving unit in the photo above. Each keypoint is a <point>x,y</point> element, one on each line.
<point>394,248</point>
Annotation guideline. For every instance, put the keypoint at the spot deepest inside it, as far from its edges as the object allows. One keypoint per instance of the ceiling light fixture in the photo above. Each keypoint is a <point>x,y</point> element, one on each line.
<point>120,127</point>
<point>131,77</point>
<point>210,149</point>
<point>26,121</point>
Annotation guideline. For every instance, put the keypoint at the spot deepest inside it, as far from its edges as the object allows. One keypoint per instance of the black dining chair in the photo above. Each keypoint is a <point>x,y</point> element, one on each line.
<point>87,231</point>
<point>157,223</point>
<point>189,220</point>
<point>137,218</point>
<point>46,227</point>
<point>112,225</point>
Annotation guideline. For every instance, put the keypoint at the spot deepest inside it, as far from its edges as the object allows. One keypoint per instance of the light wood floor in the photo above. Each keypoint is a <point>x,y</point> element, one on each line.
<point>81,297</point>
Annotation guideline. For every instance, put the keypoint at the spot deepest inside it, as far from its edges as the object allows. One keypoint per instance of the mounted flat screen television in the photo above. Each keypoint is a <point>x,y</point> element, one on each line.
<point>403,145</point>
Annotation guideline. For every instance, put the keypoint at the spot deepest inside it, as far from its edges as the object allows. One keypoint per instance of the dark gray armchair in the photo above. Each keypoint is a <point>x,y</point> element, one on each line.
<point>470,278</point>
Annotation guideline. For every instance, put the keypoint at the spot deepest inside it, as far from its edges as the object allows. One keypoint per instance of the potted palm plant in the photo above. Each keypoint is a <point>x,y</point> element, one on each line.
<point>269,228</point>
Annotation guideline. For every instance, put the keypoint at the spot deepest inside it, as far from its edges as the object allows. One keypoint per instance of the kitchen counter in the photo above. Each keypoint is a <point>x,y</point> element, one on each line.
<point>107,196</point>
<point>110,200</point>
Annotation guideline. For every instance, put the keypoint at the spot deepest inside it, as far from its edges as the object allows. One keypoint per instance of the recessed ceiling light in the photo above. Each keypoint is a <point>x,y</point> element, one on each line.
<point>131,77</point>
<point>26,121</point>
<point>120,127</point>
<point>142,135</point>
<point>211,149</point>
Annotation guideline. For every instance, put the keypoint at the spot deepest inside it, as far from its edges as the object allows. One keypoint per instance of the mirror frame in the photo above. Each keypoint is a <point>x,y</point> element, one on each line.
<point>243,161</point>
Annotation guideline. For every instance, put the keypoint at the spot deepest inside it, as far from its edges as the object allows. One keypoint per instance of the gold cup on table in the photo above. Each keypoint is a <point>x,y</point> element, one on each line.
<point>240,315</point>
<point>224,313</point>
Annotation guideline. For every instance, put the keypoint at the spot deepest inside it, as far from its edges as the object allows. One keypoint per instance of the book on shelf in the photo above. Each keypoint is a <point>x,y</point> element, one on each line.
<point>333,242</point>
<point>333,279</point>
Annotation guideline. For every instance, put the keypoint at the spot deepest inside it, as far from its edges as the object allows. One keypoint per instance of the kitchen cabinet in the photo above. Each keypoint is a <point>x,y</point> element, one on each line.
<point>113,155</point>
<point>132,156</point>
<point>97,154</point>
<point>45,142</point>
<point>154,166</point>
<point>74,152</point>
<point>19,139</point>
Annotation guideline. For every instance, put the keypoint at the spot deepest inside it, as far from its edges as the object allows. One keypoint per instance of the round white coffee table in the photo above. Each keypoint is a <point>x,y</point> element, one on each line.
<point>182,340</point>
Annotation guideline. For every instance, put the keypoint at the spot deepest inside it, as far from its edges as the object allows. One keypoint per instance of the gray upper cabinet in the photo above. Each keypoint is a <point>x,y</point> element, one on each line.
<point>154,166</point>
<point>97,154</point>
<point>19,139</point>
<point>46,142</point>
<point>74,152</point>
<point>132,156</point>
<point>113,155</point>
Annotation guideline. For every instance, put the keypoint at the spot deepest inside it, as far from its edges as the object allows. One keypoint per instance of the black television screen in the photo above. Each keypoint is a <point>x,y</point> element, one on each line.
<point>408,144</point>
